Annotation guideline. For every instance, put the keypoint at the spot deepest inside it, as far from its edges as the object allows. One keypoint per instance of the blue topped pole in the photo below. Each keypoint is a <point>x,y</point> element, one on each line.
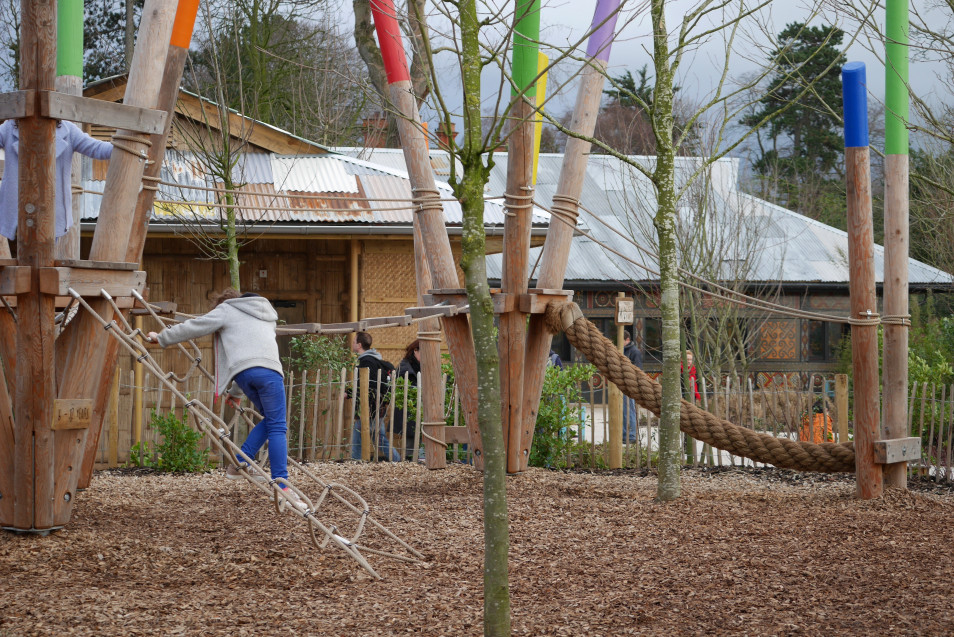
<point>854,87</point>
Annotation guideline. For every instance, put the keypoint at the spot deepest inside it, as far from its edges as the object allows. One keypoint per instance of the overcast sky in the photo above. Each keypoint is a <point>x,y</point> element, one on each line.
<point>564,22</point>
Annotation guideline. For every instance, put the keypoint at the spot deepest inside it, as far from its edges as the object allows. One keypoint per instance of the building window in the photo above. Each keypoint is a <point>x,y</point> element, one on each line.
<point>824,341</point>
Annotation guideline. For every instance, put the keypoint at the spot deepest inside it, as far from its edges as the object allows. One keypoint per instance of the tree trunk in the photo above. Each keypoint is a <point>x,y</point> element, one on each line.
<point>470,191</point>
<point>668,486</point>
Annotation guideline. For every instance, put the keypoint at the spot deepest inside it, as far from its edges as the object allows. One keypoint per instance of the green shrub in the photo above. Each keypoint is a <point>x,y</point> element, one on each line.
<point>178,450</point>
<point>559,416</point>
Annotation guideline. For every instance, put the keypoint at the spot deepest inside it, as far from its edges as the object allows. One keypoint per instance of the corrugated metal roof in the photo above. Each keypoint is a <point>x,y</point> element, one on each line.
<point>253,168</point>
<point>312,173</point>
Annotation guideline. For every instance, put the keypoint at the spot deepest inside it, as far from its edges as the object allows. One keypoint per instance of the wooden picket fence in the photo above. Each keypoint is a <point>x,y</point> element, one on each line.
<point>321,415</point>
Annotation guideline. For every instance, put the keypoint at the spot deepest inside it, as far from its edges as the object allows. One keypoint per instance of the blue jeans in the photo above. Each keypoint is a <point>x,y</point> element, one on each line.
<point>630,433</point>
<point>266,389</point>
<point>384,445</point>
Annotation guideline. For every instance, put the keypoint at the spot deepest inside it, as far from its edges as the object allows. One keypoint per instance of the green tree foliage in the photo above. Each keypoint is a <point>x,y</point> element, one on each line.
<point>560,416</point>
<point>104,37</point>
<point>799,156</point>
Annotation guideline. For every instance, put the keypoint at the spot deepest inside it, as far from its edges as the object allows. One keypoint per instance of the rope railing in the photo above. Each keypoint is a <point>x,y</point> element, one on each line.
<point>693,421</point>
<point>220,434</point>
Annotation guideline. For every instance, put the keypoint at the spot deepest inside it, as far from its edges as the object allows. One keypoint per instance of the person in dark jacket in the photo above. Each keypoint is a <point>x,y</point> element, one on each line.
<point>370,358</point>
<point>630,432</point>
<point>246,361</point>
<point>410,366</point>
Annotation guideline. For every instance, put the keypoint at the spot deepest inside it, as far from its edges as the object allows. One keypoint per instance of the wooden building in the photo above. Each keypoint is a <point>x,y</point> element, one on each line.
<point>751,245</point>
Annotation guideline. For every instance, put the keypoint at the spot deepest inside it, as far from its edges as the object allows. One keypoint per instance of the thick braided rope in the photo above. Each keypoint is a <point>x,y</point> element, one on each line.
<point>784,453</point>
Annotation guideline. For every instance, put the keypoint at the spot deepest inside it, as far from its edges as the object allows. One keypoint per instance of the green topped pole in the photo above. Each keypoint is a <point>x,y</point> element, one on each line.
<point>896,78</point>
<point>69,37</point>
<point>525,46</point>
<point>69,80</point>
<point>896,201</point>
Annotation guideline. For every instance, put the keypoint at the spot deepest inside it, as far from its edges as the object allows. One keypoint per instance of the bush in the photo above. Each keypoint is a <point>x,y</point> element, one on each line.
<point>177,452</point>
<point>559,416</point>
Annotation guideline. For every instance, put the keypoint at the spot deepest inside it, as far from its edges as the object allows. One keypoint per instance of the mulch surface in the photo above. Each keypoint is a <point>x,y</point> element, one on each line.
<point>751,552</point>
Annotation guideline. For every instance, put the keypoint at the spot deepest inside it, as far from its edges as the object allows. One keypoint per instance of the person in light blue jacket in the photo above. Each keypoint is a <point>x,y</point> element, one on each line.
<point>69,139</point>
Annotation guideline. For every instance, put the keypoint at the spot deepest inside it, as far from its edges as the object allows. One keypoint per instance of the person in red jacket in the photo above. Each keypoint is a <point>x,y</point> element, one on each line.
<point>692,375</point>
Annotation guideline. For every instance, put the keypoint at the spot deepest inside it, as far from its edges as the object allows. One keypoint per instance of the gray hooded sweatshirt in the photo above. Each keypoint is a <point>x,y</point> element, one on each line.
<point>244,337</point>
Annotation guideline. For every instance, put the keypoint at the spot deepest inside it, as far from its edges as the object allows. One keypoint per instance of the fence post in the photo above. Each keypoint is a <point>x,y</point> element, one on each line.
<point>841,406</point>
<point>364,377</point>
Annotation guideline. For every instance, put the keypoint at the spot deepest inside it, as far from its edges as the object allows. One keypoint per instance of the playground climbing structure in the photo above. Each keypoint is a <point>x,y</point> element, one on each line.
<point>55,386</point>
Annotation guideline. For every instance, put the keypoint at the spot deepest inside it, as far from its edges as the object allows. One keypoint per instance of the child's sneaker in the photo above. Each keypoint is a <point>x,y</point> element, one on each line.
<point>300,504</point>
<point>233,473</point>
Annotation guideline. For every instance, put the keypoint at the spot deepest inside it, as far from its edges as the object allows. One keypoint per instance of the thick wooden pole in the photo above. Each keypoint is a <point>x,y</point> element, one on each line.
<point>176,54</point>
<point>354,251</point>
<point>90,356</point>
<point>125,172</point>
<point>516,253</point>
<point>516,242</point>
<point>33,445</point>
<point>565,207</point>
<point>864,301</point>
<point>430,218</point>
<point>616,411</point>
<point>896,246</point>
<point>431,388</point>
<point>368,439</point>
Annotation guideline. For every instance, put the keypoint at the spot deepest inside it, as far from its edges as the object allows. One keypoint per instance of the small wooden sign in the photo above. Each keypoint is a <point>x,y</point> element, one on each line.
<point>72,413</point>
<point>625,311</point>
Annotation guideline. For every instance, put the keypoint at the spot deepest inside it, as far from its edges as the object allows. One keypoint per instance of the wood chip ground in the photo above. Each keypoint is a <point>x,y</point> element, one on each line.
<point>745,552</point>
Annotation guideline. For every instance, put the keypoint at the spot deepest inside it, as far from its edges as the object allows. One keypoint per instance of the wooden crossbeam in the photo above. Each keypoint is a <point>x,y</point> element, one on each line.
<point>897,450</point>
<point>86,282</point>
<point>436,311</point>
<point>456,435</point>
<point>95,265</point>
<point>17,104</point>
<point>92,111</point>
<point>14,279</point>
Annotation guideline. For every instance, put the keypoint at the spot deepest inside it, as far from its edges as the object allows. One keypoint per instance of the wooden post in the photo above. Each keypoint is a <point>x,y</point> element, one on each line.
<point>430,388</point>
<point>138,391</point>
<point>354,287</point>
<point>175,58</point>
<point>616,424</point>
<point>364,376</point>
<point>112,453</point>
<point>429,215</point>
<point>896,233</point>
<point>34,455</point>
<point>516,254</point>
<point>565,207</point>
<point>440,259</point>
<point>864,301</point>
<point>841,406</point>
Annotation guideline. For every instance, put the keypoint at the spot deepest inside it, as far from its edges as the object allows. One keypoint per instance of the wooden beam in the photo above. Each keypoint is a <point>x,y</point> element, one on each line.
<point>15,280</point>
<point>92,111</point>
<point>58,281</point>
<point>95,265</point>
<point>457,435</point>
<point>17,104</point>
<point>537,303</point>
<point>897,450</point>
